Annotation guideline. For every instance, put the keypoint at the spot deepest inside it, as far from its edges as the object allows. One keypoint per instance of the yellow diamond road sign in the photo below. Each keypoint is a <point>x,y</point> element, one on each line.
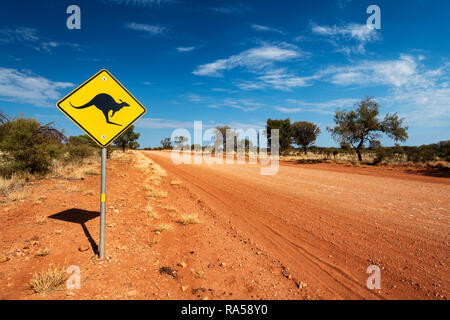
<point>102,107</point>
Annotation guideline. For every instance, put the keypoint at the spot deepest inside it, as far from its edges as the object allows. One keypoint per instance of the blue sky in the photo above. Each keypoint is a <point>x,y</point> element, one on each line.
<point>232,62</point>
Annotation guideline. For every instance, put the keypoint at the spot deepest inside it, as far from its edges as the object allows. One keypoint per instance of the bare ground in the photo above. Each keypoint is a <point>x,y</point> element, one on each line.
<point>309,232</point>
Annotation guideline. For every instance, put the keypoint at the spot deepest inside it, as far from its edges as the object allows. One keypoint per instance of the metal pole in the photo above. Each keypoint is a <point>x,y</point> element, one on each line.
<point>103,205</point>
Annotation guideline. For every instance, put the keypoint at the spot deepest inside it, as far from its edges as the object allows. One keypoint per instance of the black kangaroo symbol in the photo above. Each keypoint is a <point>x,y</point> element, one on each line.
<point>105,103</point>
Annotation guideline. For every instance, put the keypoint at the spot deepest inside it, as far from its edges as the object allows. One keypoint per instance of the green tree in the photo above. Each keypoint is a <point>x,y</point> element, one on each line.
<point>180,140</point>
<point>166,143</point>
<point>305,134</point>
<point>128,139</point>
<point>285,133</point>
<point>224,134</point>
<point>80,147</point>
<point>28,146</point>
<point>361,126</point>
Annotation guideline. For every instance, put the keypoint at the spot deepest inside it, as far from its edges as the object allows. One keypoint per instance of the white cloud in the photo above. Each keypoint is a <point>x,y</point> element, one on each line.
<point>29,36</point>
<point>185,49</point>
<point>259,27</point>
<point>197,98</point>
<point>241,104</point>
<point>350,31</point>
<point>211,102</point>
<point>289,110</point>
<point>327,107</point>
<point>283,80</point>
<point>252,59</point>
<point>404,71</point>
<point>421,94</point>
<point>25,87</point>
<point>159,123</point>
<point>345,33</point>
<point>280,79</point>
<point>20,34</point>
<point>152,30</point>
<point>428,107</point>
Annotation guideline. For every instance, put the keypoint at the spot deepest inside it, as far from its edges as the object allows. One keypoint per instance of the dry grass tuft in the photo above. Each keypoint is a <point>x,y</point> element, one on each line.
<point>438,164</point>
<point>14,184</point>
<point>168,208</point>
<point>163,227</point>
<point>157,194</point>
<point>42,252</point>
<point>41,219</point>
<point>48,281</point>
<point>148,209</point>
<point>89,193</point>
<point>75,170</point>
<point>189,219</point>
<point>152,216</point>
<point>17,195</point>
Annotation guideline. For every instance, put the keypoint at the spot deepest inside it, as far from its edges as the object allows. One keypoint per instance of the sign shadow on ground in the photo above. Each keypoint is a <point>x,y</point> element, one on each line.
<point>79,216</point>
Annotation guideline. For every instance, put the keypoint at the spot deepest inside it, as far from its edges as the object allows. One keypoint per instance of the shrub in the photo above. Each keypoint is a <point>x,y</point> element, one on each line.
<point>79,152</point>
<point>80,147</point>
<point>12,184</point>
<point>380,155</point>
<point>26,147</point>
<point>48,281</point>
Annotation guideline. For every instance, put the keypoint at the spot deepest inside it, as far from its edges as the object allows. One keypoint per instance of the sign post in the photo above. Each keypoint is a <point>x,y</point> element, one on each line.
<point>104,109</point>
<point>101,250</point>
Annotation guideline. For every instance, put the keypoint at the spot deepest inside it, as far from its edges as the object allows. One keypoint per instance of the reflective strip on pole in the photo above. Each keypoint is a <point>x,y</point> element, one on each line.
<point>103,205</point>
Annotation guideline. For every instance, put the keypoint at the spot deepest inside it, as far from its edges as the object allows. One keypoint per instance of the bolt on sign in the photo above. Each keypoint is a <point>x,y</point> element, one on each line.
<point>102,108</point>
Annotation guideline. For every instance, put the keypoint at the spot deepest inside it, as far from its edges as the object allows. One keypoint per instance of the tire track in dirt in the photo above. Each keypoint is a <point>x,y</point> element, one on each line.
<point>293,229</point>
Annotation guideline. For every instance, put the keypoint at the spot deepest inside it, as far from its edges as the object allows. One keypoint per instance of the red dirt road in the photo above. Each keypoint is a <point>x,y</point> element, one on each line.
<point>328,226</point>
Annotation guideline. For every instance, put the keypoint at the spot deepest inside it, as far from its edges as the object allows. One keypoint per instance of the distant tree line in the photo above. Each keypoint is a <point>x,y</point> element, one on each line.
<point>359,129</point>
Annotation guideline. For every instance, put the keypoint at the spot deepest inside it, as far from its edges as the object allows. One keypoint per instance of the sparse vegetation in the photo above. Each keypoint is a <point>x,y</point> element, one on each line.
<point>157,194</point>
<point>42,252</point>
<point>41,219</point>
<point>152,215</point>
<point>48,281</point>
<point>27,146</point>
<point>361,126</point>
<point>13,183</point>
<point>80,147</point>
<point>169,208</point>
<point>166,144</point>
<point>75,170</point>
<point>189,219</point>
<point>285,132</point>
<point>17,195</point>
<point>163,227</point>
<point>127,140</point>
<point>305,134</point>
